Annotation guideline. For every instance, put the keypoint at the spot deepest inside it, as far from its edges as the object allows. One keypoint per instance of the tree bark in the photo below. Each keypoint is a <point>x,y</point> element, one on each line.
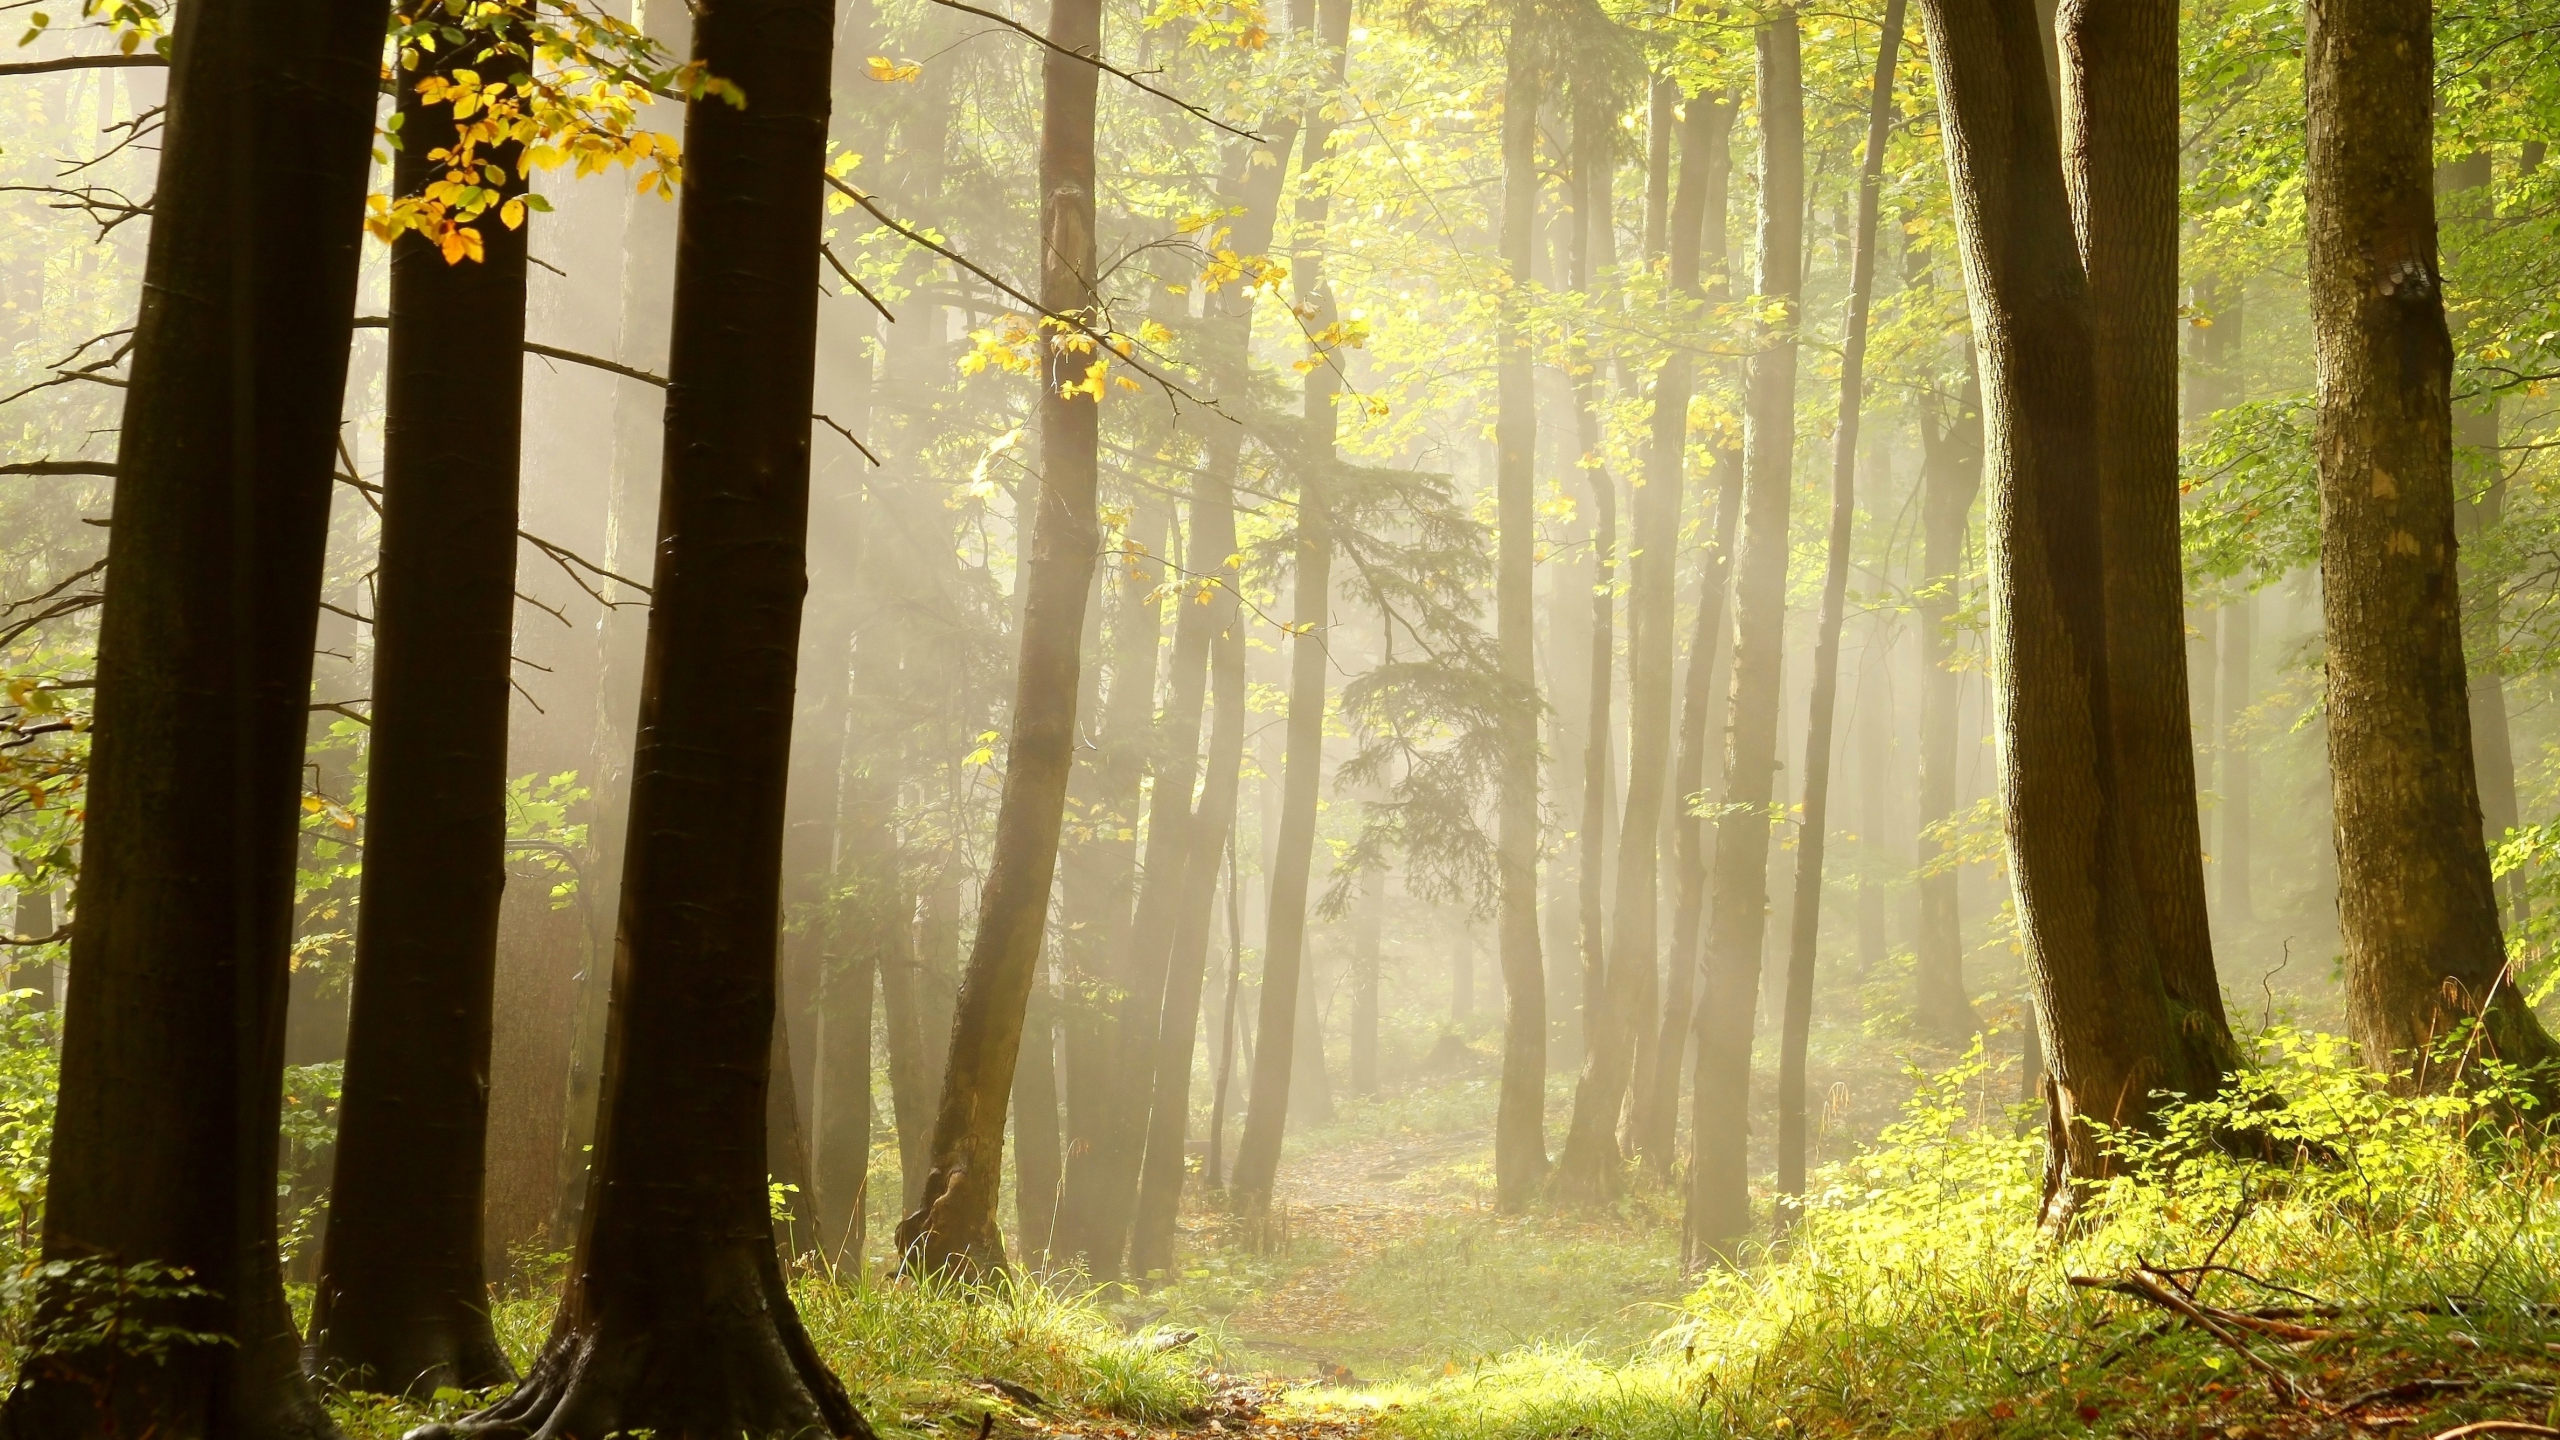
<point>2111,1035</point>
<point>1950,478</point>
<point>164,1145</point>
<point>954,1225</point>
<point>2120,161</point>
<point>1519,1132</point>
<point>1805,919</point>
<point>402,1305</point>
<point>2416,905</point>
<point>1719,1202</point>
<point>676,1316</point>
<point>1706,172</point>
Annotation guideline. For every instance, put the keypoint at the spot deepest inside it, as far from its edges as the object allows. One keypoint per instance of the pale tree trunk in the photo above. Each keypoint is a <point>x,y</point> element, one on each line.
<point>2111,1035</point>
<point>2416,906</point>
<point>1805,919</point>
<point>1698,216</point>
<point>1950,478</point>
<point>1718,1212</point>
<point>1519,1137</point>
<point>2120,162</point>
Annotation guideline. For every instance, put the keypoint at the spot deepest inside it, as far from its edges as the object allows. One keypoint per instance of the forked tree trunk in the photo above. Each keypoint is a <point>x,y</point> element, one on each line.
<point>1950,477</point>
<point>1719,1201</point>
<point>164,1143</point>
<point>1519,1132</point>
<point>2111,1036</point>
<point>1804,919</point>
<point>2120,155</point>
<point>1284,970</point>
<point>954,1224</point>
<point>2416,905</point>
<point>402,1305</point>
<point>676,1317</point>
<point>1705,173</point>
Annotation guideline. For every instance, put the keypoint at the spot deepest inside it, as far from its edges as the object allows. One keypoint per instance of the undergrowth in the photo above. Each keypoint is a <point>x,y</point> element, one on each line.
<point>2359,1256</point>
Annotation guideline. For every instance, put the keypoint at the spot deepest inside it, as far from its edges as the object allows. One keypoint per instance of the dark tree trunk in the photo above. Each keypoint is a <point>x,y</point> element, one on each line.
<point>2111,1037</point>
<point>164,1144</point>
<point>402,1305</point>
<point>1705,174</point>
<point>1950,477</point>
<point>541,948</point>
<point>1719,1202</point>
<point>1804,919</point>
<point>2416,905</point>
<point>954,1224</point>
<point>1519,1133</point>
<point>676,1316</point>
<point>2120,154</point>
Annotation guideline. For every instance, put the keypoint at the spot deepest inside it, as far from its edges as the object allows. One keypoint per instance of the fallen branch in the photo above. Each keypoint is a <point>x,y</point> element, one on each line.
<point>2495,1427</point>
<point>2144,1284</point>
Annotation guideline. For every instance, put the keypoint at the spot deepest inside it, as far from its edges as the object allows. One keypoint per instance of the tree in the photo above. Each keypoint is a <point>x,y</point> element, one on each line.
<point>1519,1132</point>
<point>402,1305</point>
<point>2109,1033</point>
<point>2416,906</point>
<point>954,1224</point>
<point>1719,1204</point>
<point>161,1179</point>
<point>2120,160</point>
<point>1805,919</point>
<point>1950,478</point>
<point>676,1317</point>
<point>1698,211</point>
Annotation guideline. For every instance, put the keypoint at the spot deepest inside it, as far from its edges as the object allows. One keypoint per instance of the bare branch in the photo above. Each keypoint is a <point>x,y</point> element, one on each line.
<point>61,932</point>
<point>1098,63</point>
<point>105,468</point>
<point>864,290</point>
<point>85,62</point>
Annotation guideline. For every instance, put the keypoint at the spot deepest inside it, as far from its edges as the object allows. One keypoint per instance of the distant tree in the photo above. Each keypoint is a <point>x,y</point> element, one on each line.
<point>954,1222</point>
<point>160,1204</point>
<point>1950,479</point>
<point>1519,1132</point>
<point>401,1304</point>
<point>1719,1206</point>
<point>676,1317</point>
<point>2416,905</point>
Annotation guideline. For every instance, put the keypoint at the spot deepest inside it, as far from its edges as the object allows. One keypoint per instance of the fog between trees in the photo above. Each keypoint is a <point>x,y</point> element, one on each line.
<point>899,637</point>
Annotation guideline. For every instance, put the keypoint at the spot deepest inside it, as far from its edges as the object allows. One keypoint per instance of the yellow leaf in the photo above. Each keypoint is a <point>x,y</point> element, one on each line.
<point>511,214</point>
<point>883,68</point>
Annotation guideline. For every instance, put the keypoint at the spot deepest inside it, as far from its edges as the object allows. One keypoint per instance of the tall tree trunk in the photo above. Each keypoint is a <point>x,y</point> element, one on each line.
<point>1284,972</point>
<point>402,1305</point>
<point>2120,158</point>
<point>1115,1069</point>
<point>2111,1037</point>
<point>164,1144</point>
<point>2238,659</point>
<point>954,1224</point>
<point>1950,477</point>
<point>1038,1160</point>
<point>1706,171</point>
<point>2479,509</point>
<point>1519,1132</point>
<point>676,1316</point>
<point>1719,1202</point>
<point>1805,919</point>
<point>1212,827</point>
<point>1228,1035</point>
<point>2416,905</point>
<point>914,1080</point>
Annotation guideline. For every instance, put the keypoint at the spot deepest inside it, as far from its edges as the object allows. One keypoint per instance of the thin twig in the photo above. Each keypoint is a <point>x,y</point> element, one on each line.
<point>863,290</point>
<point>85,62</point>
<point>830,423</point>
<point>1098,63</point>
<point>106,468</point>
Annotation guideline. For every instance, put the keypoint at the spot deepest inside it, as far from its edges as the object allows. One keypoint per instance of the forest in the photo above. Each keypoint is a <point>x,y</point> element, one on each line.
<point>1373,720</point>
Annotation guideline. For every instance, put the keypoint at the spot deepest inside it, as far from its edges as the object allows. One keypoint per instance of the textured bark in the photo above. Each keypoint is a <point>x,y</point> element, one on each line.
<point>2120,161</point>
<point>402,1304</point>
<point>1813,836</point>
<point>2416,907</point>
<point>541,948</point>
<point>1719,1202</point>
<point>1950,478</point>
<point>2111,1034</point>
<point>676,1317</point>
<point>1519,1133</point>
<point>164,1145</point>
<point>954,1224</point>
<point>1706,174</point>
